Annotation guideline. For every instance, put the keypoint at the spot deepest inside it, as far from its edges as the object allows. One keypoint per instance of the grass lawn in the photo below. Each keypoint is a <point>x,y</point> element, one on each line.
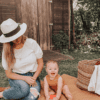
<point>70,66</point>
<point>65,67</point>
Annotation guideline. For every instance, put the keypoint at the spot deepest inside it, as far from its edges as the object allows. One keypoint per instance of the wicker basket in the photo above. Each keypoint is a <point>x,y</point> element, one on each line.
<point>85,70</point>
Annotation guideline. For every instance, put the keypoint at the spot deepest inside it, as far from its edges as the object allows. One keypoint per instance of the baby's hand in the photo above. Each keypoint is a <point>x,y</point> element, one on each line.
<point>47,98</point>
<point>55,98</point>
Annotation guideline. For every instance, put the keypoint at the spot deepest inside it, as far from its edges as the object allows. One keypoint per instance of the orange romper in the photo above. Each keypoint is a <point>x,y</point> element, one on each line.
<point>53,83</point>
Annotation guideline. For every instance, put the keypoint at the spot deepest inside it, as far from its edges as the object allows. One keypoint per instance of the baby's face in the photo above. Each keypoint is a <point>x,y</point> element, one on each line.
<point>52,69</point>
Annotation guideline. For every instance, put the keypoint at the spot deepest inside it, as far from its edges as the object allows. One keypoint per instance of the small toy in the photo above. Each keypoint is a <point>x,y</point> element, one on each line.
<point>52,96</point>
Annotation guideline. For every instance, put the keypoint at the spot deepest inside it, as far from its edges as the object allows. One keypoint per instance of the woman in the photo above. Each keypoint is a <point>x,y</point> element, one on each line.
<point>22,62</point>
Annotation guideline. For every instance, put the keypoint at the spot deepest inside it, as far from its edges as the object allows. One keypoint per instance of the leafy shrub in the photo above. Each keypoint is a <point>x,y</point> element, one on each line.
<point>60,40</point>
<point>88,42</point>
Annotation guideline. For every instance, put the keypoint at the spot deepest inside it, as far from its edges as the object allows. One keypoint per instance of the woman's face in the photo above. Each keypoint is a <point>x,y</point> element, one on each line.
<point>18,40</point>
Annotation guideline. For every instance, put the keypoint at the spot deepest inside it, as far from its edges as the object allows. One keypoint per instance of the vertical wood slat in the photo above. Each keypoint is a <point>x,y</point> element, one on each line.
<point>18,11</point>
<point>38,36</point>
<point>40,21</point>
<point>49,16</point>
<point>69,22</point>
<point>50,25</point>
<point>45,24</point>
<point>35,19</point>
<point>24,14</point>
<point>29,16</point>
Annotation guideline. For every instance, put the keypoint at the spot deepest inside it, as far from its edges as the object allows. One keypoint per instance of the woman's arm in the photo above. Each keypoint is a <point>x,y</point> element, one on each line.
<point>59,88</point>
<point>15,76</point>
<point>46,89</point>
<point>39,68</point>
<point>28,79</point>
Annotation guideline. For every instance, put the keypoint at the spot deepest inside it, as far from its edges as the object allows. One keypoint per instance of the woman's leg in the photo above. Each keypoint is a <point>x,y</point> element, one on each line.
<point>34,92</point>
<point>66,92</point>
<point>19,89</point>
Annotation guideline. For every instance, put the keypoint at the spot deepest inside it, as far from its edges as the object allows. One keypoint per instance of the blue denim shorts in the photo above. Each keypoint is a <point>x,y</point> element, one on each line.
<point>21,90</point>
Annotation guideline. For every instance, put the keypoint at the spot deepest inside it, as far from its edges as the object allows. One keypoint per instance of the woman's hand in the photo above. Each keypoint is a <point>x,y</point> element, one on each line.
<point>30,80</point>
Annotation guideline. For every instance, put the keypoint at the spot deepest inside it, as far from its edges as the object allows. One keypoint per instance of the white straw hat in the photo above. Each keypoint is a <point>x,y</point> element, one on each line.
<point>11,30</point>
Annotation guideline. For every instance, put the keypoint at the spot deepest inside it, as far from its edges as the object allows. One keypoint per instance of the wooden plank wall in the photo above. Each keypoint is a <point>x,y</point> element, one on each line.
<point>60,15</point>
<point>7,10</point>
<point>38,15</point>
<point>43,17</point>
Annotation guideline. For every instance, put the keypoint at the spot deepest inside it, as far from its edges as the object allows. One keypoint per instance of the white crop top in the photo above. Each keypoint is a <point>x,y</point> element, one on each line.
<point>26,57</point>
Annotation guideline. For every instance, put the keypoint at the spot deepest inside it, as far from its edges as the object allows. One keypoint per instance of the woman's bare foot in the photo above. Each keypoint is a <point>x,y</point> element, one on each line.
<point>1,94</point>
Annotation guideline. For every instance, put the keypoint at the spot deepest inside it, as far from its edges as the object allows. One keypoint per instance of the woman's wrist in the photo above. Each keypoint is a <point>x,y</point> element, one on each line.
<point>24,78</point>
<point>34,78</point>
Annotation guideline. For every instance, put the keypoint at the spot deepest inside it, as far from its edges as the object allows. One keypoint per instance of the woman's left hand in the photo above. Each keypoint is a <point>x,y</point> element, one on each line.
<point>34,82</point>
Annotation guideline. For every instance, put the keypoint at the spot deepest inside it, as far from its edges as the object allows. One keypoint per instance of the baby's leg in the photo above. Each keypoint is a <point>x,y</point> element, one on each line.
<point>51,92</point>
<point>66,92</point>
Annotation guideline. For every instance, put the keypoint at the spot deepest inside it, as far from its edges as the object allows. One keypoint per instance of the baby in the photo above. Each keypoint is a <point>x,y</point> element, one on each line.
<point>53,82</point>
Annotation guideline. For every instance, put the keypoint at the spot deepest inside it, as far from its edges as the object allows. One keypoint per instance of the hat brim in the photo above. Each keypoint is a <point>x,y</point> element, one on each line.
<point>4,39</point>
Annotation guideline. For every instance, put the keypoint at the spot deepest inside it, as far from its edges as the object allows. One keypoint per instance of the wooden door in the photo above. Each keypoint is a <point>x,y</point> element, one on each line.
<point>37,14</point>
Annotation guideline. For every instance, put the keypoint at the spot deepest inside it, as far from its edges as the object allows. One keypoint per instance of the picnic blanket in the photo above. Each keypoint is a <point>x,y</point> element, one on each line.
<point>77,93</point>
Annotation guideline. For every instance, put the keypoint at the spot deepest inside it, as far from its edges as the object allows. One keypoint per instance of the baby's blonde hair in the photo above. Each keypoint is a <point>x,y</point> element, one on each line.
<point>51,61</point>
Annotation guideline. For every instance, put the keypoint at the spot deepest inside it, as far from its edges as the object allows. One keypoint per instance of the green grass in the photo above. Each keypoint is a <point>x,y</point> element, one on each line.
<point>70,66</point>
<point>65,67</point>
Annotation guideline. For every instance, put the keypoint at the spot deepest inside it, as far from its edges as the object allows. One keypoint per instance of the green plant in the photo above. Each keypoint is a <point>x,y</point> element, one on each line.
<point>88,42</point>
<point>60,40</point>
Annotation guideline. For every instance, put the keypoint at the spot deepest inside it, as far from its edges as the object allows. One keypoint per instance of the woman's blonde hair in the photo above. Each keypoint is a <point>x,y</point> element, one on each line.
<point>9,52</point>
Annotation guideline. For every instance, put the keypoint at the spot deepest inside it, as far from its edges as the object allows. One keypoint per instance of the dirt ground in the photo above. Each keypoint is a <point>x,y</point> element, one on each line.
<point>53,55</point>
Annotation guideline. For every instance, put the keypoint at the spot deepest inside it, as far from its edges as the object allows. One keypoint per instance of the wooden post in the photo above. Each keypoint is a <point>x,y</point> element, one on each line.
<point>69,22</point>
